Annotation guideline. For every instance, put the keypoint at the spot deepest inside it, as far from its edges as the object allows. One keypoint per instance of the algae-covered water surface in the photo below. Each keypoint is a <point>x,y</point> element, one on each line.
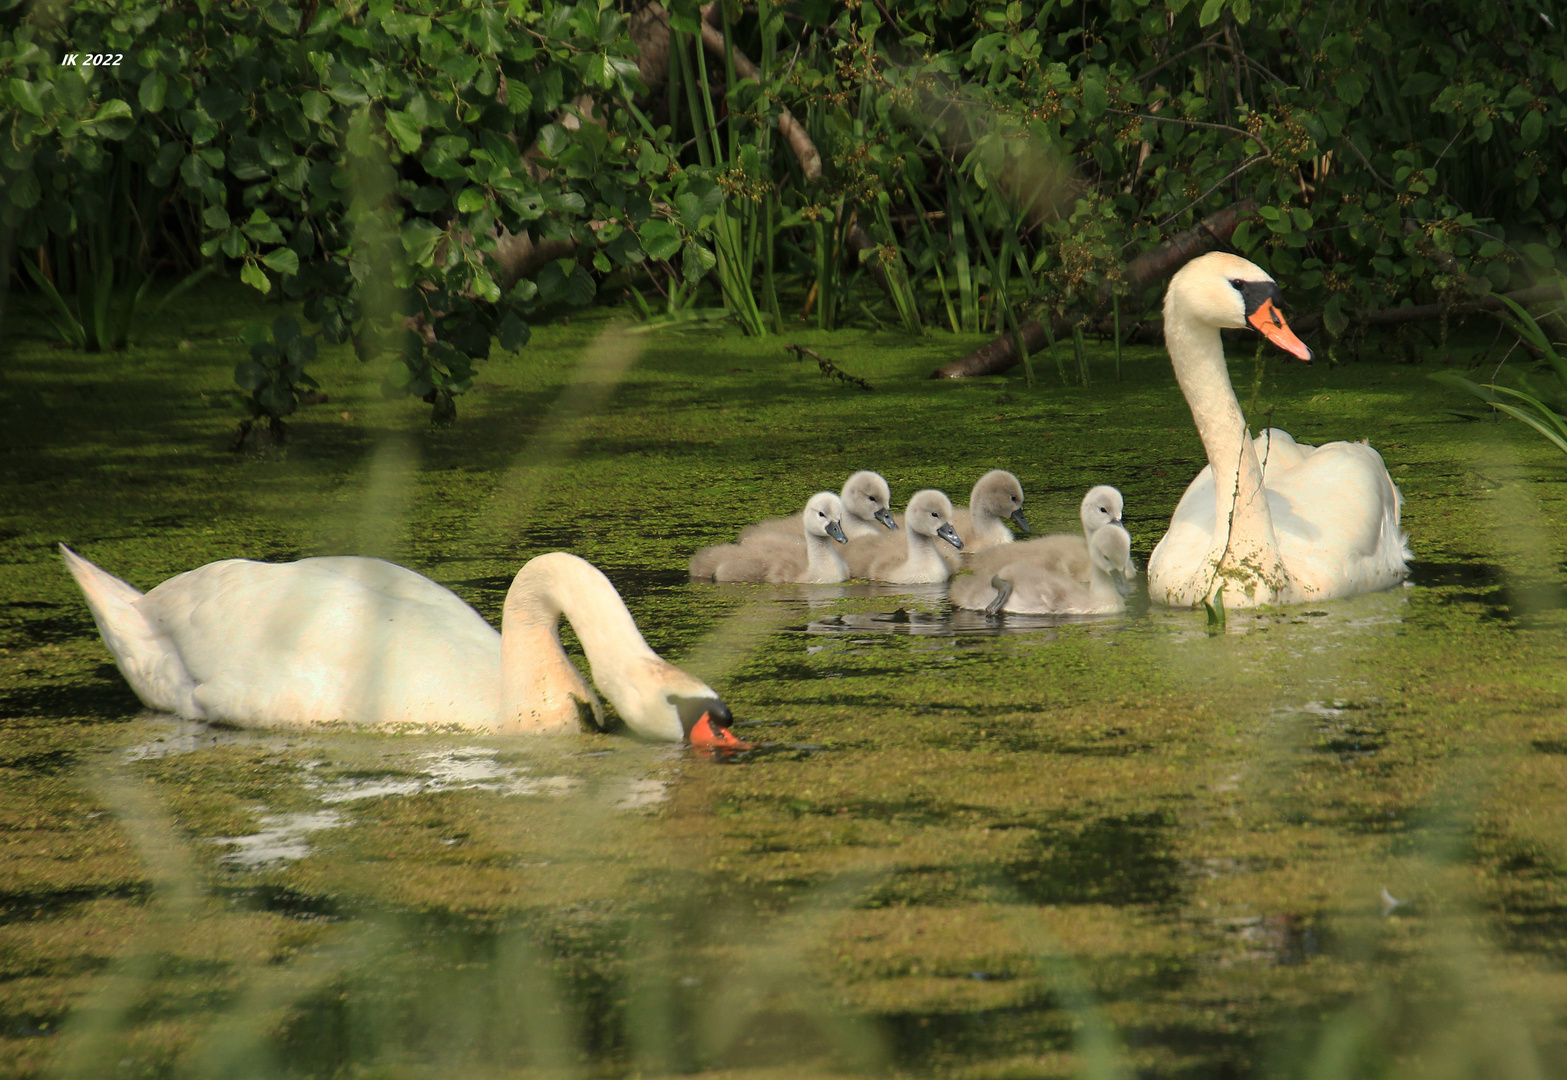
<point>1325,842</point>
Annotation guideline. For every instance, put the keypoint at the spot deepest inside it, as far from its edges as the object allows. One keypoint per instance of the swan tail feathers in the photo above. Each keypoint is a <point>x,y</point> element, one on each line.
<point>142,653</point>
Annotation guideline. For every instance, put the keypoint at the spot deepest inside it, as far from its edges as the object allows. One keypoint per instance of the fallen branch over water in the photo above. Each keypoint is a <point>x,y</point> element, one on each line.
<point>1143,271</point>
<point>827,367</point>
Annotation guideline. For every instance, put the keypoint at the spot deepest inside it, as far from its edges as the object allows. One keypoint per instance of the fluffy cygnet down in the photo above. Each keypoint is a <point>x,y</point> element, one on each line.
<point>1062,553</point>
<point>777,558</point>
<point>1024,588</point>
<point>982,523</point>
<point>867,511</point>
<point>914,558</point>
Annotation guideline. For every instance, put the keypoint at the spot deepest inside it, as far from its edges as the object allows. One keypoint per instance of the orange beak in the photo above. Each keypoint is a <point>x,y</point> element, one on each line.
<point>705,736</point>
<point>1270,323</point>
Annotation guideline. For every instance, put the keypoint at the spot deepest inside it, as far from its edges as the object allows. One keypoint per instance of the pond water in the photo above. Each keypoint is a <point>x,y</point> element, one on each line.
<point>1324,841</point>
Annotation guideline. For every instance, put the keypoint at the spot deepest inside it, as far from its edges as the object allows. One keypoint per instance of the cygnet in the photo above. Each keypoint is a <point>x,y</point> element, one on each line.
<point>867,511</point>
<point>776,558</point>
<point>913,559</point>
<point>1025,588</point>
<point>1063,553</point>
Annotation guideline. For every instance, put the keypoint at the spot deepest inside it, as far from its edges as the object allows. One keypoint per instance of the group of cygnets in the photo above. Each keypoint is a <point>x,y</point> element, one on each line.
<point>854,534</point>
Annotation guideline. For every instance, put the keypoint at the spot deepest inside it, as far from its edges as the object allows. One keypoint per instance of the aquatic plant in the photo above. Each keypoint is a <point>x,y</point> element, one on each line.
<point>1544,409</point>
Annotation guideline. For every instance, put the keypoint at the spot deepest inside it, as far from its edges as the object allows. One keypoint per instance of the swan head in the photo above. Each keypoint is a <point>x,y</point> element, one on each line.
<point>1101,506</point>
<point>669,705</point>
<point>1227,291</point>
<point>999,494</point>
<point>1110,552</point>
<point>824,516</point>
<point>867,496</point>
<point>930,514</point>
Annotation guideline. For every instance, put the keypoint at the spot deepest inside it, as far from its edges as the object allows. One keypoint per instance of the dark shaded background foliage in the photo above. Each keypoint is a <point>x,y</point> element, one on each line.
<point>978,158</point>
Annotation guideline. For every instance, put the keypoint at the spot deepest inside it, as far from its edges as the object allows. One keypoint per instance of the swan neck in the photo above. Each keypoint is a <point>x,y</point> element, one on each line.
<point>1243,526</point>
<point>822,561</point>
<point>539,596</point>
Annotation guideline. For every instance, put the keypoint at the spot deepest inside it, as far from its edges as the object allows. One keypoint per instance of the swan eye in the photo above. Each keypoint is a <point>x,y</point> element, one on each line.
<point>1239,285</point>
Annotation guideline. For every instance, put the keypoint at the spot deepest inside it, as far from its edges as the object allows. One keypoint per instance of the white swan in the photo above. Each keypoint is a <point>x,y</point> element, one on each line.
<point>777,558</point>
<point>368,643</point>
<point>1314,522</point>
<point>867,511</point>
<point>1063,553</point>
<point>912,559</point>
<point>1025,587</point>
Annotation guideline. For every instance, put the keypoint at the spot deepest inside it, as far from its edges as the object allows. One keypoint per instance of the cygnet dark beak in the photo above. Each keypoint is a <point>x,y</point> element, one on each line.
<point>835,530</point>
<point>885,517</point>
<point>1020,520</point>
<point>950,535</point>
<point>1122,584</point>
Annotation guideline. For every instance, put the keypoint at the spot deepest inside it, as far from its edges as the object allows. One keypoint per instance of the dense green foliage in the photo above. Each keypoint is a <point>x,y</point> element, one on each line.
<point>979,161</point>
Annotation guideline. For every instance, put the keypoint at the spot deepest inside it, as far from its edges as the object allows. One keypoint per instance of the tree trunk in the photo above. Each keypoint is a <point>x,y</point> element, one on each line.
<point>1146,269</point>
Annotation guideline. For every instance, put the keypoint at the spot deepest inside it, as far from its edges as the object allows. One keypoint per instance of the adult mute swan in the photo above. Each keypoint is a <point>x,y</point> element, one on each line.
<point>368,643</point>
<point>867,511</point>
<point>774,557</point>
<point>1300,524</point>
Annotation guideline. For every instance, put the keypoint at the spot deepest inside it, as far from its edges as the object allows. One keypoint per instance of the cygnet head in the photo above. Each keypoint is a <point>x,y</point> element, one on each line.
<point>930,514</point>
<point>1227,291</point>
<point>824,516</point>
<point>999,494</point>
<point>1101,506</point>
<point>866,496</point>
<point>1110,550</point>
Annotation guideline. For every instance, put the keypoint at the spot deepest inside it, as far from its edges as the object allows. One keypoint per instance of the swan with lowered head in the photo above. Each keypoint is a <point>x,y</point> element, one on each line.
<point>1062,553</point>
<point>365,642</point>
<point>914,559</point>
<point>776,558</point>
<point>867,511</point>
<point>1025,587</point>
<point>1313,523</point>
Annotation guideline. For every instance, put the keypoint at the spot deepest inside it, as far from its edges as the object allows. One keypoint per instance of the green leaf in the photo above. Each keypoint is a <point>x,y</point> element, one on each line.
<point>696,261</point>
<point>1539,254</point>
<point>1096,99</point>
<point>660,239</point>
<point>255,277</point>
<point>154,87</point>
<point>405,129</point>
<point>1211,10</point>
<point>316,105</point>
<point>24,190</point>
<point>249,375</point>
<point>471,200</point>
<point>283,260</point>
<point>285,328</point>
<point>113,120</point>
<point>215,218</point>
<point>29,96</point>
<point>513,333</point>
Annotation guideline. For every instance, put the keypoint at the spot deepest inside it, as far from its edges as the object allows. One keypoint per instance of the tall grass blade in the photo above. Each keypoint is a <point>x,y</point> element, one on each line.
<point>64,320</point>
<point>968,298</point>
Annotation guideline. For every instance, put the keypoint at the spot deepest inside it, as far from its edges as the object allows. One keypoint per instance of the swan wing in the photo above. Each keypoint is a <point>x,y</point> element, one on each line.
<point>1336,517</point>
<point>353,640</point>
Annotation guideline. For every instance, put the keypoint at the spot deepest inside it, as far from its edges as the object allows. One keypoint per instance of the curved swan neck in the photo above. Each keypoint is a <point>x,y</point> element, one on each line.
<point>531,655</point>
<point>1242,527</point>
